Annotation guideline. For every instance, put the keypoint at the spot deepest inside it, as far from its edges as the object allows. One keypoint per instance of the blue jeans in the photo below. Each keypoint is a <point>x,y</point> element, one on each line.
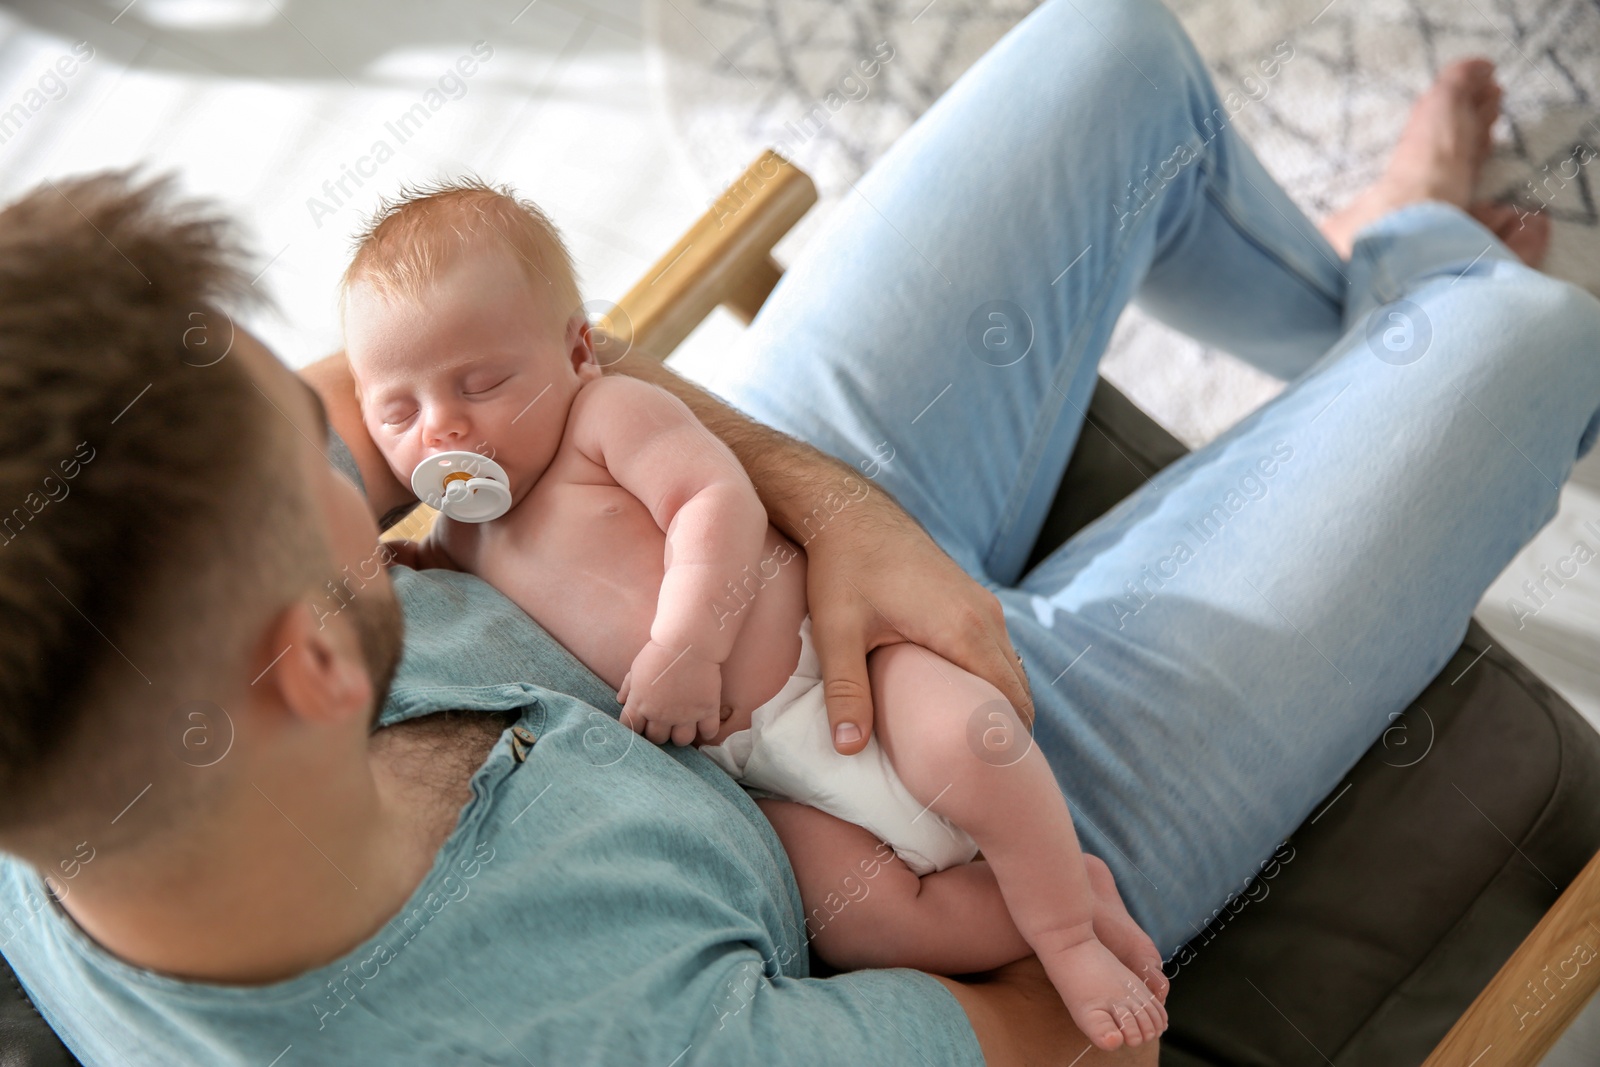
<point>1210,657</point>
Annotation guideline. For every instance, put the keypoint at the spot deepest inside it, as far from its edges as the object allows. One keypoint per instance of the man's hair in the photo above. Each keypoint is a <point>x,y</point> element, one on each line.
<point>150,511</point>
<point>411,240</point>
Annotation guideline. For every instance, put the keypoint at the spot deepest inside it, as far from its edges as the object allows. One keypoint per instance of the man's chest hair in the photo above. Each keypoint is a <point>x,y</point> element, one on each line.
<point>432,759</point>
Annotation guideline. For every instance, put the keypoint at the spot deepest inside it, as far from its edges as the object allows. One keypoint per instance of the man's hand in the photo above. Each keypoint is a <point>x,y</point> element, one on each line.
<point>667,694</point>
<point>874,576</point>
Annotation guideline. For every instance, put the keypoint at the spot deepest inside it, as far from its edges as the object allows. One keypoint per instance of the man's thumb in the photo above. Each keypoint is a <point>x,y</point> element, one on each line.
<point>847,691</point>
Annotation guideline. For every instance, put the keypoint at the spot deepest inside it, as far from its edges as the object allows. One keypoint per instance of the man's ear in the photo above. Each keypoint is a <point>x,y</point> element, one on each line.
<point>320,673</point>
<point>580,347</point>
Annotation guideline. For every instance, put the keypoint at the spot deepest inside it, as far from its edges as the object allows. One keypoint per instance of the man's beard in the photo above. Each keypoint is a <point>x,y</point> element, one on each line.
<point>380,627</point>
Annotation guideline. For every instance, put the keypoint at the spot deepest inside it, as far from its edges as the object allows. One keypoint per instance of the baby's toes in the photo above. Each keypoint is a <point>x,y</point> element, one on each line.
<point>1129,1015</point>
<point>1100,1027</point>
<point>1146,966</point>
<point>1150,1022</point>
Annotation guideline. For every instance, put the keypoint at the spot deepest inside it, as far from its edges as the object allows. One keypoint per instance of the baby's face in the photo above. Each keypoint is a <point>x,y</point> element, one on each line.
<point>479,364</point>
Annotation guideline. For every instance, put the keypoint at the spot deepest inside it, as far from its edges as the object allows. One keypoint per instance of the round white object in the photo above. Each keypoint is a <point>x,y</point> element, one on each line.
<point>463,486</point>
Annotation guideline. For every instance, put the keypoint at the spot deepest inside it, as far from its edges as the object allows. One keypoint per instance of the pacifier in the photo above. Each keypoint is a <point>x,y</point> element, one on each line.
<point>463,486</point>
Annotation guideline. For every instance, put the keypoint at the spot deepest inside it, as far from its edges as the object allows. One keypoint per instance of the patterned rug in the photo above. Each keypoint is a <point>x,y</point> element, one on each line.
<point>740,75</point>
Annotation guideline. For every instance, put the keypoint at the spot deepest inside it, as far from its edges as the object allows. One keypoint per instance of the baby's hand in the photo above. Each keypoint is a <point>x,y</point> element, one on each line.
<point>668,693</point>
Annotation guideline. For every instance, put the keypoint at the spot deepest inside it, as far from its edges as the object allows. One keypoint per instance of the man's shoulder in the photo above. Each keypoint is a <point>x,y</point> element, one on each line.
<point>584,860</point>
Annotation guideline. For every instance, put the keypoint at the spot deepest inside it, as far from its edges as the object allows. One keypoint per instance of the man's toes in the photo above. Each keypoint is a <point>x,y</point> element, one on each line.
<point>1529,238</point>
<point>1498,217</point>
<point>1473,81</point>
<point>1488,112</point>
<point>1538,227</point>
<point>1485,93</point>
<point>1473,73</point>
<point>1527,233</point>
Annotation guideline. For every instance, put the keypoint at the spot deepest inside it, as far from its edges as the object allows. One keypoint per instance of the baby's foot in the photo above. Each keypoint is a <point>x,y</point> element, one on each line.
<point>1106,1000</point>
<point>1117,931</point>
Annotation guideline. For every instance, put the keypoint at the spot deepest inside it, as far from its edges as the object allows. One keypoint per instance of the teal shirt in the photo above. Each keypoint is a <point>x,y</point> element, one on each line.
<point>605,902</point>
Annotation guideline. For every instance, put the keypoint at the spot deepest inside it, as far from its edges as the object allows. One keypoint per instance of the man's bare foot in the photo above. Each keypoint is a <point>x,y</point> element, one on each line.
<point>1527,233</point>
<point>1441,151</point>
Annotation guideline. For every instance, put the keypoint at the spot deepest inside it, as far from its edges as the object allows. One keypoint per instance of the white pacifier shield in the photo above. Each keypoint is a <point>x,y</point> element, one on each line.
<point>463,486</point>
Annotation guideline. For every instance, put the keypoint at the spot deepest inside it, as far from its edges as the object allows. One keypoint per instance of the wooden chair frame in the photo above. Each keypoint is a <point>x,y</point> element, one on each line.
<point>726,258</point>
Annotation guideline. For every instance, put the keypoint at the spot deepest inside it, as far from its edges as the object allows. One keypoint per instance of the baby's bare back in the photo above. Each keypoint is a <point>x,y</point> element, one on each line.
<point>585,558</point>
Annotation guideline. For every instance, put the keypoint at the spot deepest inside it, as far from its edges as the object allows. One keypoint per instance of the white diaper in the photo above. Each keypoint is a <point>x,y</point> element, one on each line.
<point>787,753</point>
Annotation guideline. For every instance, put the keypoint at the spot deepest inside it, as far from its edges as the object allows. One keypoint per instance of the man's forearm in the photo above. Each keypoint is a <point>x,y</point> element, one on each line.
<point>793,479</point>
<point>876,578</point>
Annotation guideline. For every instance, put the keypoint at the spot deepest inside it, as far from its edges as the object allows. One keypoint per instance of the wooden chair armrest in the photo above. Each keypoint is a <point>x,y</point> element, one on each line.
<point>725,258</point>
<point>1535,996</point>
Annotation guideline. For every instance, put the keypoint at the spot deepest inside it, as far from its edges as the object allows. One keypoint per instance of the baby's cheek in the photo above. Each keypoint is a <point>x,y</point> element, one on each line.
<point>397,451</point>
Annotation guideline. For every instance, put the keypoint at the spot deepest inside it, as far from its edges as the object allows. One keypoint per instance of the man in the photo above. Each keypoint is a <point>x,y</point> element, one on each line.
<point>254,876</point>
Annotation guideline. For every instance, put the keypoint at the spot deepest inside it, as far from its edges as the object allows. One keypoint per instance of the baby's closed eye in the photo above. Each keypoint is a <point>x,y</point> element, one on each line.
<point>484,384</point>
<point>387,406</point>
<point>397,414</point>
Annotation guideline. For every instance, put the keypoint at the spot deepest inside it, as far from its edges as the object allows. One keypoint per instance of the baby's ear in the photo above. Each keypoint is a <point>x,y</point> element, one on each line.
<point>580,347</point>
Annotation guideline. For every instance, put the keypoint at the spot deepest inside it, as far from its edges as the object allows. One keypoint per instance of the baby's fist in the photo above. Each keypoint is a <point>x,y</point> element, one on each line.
<point>669,695</point>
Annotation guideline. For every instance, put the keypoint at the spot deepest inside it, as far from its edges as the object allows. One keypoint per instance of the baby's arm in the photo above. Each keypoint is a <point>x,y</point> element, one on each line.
<point>715,527</point>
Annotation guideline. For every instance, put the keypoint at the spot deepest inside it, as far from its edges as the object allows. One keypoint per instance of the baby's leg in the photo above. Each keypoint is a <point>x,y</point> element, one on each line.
<point>960,749</point>
<point>865,908</point>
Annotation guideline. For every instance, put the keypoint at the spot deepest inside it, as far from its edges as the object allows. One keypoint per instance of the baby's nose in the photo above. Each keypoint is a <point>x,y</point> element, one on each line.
<point>445,429</point>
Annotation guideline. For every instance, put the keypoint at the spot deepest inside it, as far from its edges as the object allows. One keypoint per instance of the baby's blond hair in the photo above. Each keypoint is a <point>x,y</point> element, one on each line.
<point>412,239</point>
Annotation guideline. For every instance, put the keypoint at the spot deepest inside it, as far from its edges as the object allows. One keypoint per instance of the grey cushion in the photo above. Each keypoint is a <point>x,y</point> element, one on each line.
<point>1411,888</point>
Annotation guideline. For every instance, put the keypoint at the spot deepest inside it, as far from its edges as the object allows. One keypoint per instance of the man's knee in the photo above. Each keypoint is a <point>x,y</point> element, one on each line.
<point>1552,327</point>
<point>1506,323</point>
<point>1137,25</point>
<point>1137,45</point>
<point>1577,312</point>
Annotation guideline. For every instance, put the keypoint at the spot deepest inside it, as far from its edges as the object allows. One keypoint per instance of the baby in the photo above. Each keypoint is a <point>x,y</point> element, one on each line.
<point>637,540</point>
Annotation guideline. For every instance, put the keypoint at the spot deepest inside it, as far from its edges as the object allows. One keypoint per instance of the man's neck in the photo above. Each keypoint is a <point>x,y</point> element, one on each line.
<point>295,865</point>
